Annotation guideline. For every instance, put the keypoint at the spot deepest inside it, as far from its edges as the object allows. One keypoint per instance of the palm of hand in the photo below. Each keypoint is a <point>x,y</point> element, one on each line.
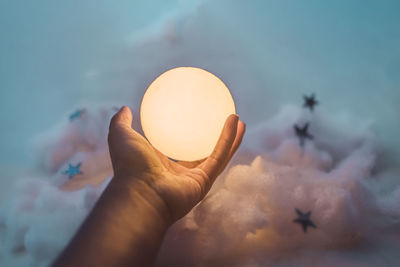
<point>181,185</point>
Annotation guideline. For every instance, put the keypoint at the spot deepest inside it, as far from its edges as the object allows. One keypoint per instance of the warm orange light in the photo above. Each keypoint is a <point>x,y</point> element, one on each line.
<point>183,112</point>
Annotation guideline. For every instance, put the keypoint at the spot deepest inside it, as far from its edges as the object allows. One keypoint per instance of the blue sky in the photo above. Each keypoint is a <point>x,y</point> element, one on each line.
<point>268,52</point>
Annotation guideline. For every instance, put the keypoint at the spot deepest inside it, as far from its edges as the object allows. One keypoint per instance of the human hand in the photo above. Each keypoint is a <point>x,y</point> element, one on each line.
<point>148,193</point>
<point>171,188</point>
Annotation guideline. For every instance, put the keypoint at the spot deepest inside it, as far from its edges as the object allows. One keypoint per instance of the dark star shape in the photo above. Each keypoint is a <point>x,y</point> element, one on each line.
<point>310,102</point>
<point>77,114</point>
<point>73,170</point>
<point>302,133</point>
<point>304,220</point>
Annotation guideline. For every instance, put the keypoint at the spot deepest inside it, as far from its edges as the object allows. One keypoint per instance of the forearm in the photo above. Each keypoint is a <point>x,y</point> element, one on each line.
<point>125,228</point>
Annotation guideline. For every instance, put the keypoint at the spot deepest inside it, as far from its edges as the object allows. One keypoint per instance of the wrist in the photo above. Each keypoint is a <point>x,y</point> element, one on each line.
<point>126,227</point>
<point>139,193</point>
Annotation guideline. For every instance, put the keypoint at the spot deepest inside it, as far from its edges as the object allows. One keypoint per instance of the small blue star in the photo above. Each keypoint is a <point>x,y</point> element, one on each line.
<point>304,220</point>
<point>77,114</point>
<point>73,170</point>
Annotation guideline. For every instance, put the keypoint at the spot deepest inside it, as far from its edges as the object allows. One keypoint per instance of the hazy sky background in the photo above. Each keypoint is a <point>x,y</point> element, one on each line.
<point>348,52</point>
<point>46,50</point>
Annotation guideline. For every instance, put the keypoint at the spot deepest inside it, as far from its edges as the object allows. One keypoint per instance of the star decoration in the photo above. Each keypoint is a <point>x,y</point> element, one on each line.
<point>304,220</point>
<point>73,170</point>
<point>77,114</point>
<point>310,102</point>
<point>302,133</point>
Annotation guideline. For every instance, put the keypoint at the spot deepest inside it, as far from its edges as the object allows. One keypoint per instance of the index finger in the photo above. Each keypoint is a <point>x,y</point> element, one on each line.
<point>220,154</point>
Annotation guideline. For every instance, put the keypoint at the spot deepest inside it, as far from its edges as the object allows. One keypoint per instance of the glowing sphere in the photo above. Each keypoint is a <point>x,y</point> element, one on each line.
<point>183,112</point>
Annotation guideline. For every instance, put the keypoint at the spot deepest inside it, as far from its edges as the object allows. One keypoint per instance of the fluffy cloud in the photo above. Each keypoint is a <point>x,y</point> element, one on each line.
<point>247,219</point>
<point>44,211</point>
<point>39,220</point>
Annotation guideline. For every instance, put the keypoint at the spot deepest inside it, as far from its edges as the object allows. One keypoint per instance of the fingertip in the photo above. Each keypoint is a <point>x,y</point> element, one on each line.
<point>124,108</point>
<point>230,129</point>
<point>242,123</point>
<point>232,121</point>
<point>241,129</point>
<point>122,117</point>
<point>233,116</point>
<point>126,114</point>
<point>242,126</point>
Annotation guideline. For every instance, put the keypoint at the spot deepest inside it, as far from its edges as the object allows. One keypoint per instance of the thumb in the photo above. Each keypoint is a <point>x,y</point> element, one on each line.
<point>120,123</point>
<point>123,118</point>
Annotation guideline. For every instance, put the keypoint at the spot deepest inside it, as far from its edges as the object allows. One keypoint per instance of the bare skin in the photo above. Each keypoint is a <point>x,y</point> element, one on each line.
<point>147,195</point>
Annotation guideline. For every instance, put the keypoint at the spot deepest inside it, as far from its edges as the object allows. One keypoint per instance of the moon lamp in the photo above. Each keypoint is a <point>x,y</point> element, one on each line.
<point>183,112</point>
